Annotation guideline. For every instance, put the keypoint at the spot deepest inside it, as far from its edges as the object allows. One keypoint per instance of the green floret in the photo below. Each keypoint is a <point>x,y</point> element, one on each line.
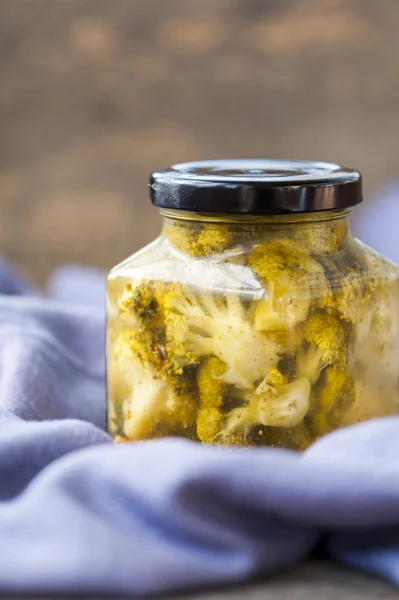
<point>209,421</point>
<point>347,288</point>
<point>347,297</point>
<point>337,394</point>
<point>322,238</point>
<point>291,278</point>
<point>145,335</point>
<point>326,345</point>
<point>211,390</point>
<point>357,281</point>
<point>210,384</point>
<point>210,417</point>
<point>282,262</point>
<point>199,240</point>
<point>143,301</point>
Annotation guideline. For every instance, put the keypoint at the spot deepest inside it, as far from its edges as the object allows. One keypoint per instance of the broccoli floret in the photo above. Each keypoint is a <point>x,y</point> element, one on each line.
<point>210,384</point>
<point>203,323</point>
<point>346,288</point>
<point>143,301</point>
<point>142,305</point>
<point>337,394</point>
<point>347,297</point>
<point>198,240</point>
<point>357,282</point>
<point>322,238</point>
<point>274,403</point>
<point>140,300</point>
<point>326,345</point>
<point>208,424</point>
<point>210,389</point>
<point>291,278</point>
<point>210,417</point>
<point>283,263</point>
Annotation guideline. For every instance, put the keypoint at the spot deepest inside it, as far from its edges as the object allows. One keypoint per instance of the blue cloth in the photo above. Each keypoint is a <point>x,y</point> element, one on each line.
<point>376,222</point>
<point>79,514</point>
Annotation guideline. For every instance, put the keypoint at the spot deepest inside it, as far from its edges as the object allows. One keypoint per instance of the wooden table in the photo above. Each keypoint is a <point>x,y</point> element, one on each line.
<point>315,579</point>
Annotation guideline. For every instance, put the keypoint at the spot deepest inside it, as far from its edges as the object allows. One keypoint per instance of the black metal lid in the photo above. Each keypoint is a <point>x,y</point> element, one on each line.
<point>255,186</point>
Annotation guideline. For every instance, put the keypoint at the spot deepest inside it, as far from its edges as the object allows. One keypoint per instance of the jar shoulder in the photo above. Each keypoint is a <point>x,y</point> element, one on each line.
<point>376,262</point>
<point>235,271</point>
<point>159,261</point>
<point>145,256</point>
<point>359,262</point>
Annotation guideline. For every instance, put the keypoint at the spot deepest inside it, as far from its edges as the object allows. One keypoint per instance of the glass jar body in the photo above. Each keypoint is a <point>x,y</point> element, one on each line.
<point>251,331</point>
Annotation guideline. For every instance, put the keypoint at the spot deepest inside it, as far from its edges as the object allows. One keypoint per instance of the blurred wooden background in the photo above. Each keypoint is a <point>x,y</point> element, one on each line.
<point>94,94</point>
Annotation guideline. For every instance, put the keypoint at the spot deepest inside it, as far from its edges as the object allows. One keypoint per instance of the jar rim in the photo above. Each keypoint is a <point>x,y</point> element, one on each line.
<point>256,186</point>
<point>261,220</point>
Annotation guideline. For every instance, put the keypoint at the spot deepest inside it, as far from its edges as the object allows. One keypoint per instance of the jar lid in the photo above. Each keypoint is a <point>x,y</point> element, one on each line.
<point>255,186</point>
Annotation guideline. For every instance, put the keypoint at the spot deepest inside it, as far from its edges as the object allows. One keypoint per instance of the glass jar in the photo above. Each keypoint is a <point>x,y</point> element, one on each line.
<point>255,318</point>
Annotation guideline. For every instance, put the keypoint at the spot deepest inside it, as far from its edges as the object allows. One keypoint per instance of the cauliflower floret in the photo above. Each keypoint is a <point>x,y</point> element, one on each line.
<point>148,396</point>
<point>202,324</point>
<point>327,345</point>
<point>148,402</point>
<point>153,402</point>
<point>280,313</point>
<point>274,403</point>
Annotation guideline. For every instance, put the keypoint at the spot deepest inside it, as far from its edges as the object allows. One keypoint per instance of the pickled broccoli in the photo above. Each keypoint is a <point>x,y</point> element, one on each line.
<point>325,344</point>
<point>291,278</point>
<point>141,301</point>
<point>323,238</point>
<point>210,390</point>
<point>202,240</point>
<point>333,400</point>
<point>346,289</point>
<point>358,283</point>
<point>284,266</point>
<point>142,305</point>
